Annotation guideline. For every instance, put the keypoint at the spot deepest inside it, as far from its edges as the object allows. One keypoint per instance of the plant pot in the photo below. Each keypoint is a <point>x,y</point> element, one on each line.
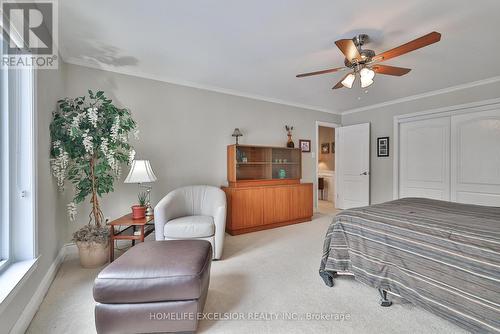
<point>138,212</point>
<point>92,254</point>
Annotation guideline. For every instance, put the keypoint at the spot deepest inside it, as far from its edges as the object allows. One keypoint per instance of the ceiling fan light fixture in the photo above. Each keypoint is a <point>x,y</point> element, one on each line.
<point>366,82</point>
<point>367,73</point>
<point>349,80</point>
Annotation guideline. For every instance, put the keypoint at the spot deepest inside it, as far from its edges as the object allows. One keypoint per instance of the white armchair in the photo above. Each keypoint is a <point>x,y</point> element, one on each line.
<point>193,212</point>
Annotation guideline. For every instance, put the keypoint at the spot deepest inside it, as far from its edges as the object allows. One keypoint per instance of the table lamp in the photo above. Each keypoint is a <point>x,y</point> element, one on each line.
<point>237,133</point>
<point>141,172</point>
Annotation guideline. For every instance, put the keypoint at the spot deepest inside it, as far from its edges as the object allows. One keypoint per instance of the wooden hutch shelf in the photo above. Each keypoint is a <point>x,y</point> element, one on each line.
<point>264,188</point>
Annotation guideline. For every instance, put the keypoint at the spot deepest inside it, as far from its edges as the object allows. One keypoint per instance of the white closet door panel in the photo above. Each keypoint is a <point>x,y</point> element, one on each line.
<point>425,159</point>
<point>475,167</point>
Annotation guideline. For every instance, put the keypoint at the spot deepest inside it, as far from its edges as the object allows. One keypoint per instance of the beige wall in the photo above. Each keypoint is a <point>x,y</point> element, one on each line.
<point>326,161</point>
<point>381,120</point>
<point>52,226</point>
<point>185,131</point>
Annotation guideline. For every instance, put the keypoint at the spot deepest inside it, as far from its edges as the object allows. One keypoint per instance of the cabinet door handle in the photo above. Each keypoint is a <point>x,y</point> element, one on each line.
<point>364,173</point>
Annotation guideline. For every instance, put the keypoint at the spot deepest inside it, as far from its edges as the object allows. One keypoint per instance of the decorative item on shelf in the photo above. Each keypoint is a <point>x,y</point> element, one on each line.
<point>333,147</point>
<point>89,145</point>
<point>141,172</point>
<point>305,145</point>
<point>383,147</point>
<point>139,210</point>
<point>325,148</point>
<point>282,173</point>
<point>237,133</point>
<point>290,142</point>
<point>244,159</point>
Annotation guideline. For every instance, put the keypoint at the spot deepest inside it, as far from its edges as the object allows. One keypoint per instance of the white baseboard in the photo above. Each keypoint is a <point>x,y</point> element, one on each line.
<point>30,310</point>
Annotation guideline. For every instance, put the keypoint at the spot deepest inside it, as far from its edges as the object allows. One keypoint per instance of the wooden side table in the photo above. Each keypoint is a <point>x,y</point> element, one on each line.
<point>144,226</point>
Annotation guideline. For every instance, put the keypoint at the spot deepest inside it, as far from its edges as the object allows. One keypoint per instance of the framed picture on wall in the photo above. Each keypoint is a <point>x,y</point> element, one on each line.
<point>325,148</point>
<point>305,145</point>
<point>382,146</point>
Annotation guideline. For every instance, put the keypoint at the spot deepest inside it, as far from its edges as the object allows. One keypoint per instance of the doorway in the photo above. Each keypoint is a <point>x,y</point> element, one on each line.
<point>325,167</point>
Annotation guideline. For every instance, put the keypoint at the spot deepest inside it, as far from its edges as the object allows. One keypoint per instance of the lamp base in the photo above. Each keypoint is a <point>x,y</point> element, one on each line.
<point>149,210</point>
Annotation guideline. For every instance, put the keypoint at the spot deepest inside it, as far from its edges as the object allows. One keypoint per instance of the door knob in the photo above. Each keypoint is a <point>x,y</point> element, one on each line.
<point>364,173</point>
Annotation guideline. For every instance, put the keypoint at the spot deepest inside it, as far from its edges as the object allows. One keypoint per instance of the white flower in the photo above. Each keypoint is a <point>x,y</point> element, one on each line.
<point>104,145</point>
<point>118,171</point>
<point>92,116</point>
<point>131,156</point>
<point>87,142</point>
<point>59,165</point>
<point>71,209</point>
<point>109,155</point>
<point>75,124</point>
<point>123,137</point>
<point>114,129</point>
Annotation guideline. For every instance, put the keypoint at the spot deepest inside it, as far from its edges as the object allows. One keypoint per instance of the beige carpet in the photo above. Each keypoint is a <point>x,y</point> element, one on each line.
<point>263,272</point>
<point>326,207</point>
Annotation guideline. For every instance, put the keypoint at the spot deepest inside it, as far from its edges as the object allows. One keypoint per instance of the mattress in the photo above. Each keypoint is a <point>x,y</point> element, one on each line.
<point>441,256</point>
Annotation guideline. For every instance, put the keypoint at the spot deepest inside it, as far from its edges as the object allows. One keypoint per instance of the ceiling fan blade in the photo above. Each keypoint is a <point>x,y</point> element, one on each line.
<point>339,84</point>
<point>418,43</point>
<point>390,70</point>
<point>349,49</point>
<point>331,70</point>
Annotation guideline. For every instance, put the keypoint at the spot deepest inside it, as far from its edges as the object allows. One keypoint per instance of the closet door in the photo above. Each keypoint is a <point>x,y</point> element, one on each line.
<point>475,167</point>
<point>424,165</point>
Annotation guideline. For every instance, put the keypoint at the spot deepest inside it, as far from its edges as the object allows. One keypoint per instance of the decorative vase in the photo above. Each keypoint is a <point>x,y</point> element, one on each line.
<point>282,174</point>
<point>92,254</point>
<point>138,212</point>
<point>290,142</point>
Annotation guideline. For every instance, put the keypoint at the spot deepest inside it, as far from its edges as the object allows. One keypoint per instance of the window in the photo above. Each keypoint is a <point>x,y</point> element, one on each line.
<point>4,185</point>
<point>17,166</point>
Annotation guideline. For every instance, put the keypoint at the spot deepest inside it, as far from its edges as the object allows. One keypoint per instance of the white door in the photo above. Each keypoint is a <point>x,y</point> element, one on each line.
<point>424,162</point>
<point>475,155</point>
<point>353,165</point>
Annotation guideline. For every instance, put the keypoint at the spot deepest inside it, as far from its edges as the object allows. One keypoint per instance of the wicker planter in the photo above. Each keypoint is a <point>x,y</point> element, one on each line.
<point>93,254</point>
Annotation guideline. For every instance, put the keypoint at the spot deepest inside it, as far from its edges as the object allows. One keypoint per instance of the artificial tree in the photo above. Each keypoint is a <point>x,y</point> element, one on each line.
<point>90,143</point>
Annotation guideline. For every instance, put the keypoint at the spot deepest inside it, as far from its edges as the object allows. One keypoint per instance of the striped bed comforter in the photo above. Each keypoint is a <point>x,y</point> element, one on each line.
<point>442,256</point>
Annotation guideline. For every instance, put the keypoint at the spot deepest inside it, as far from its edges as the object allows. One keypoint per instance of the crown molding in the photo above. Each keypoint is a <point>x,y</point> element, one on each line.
<point>424,95</point>
<point>190,84</point>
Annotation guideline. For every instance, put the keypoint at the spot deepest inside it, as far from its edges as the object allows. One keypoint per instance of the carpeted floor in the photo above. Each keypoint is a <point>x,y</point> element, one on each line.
<point>269,273</point>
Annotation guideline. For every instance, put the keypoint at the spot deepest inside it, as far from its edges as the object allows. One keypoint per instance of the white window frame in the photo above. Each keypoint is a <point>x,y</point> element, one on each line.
<point>18,180</point>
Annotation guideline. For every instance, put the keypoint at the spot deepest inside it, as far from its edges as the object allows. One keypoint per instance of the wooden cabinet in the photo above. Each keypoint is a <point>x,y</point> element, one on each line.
<point>261,207</point>
<point>264,189</point>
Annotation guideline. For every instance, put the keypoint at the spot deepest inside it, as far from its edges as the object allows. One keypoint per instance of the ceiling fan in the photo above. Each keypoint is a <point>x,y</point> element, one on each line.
<point>365,63</point>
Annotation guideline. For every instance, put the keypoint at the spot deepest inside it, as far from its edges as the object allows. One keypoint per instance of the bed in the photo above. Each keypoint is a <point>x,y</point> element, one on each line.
<point>441,256</point>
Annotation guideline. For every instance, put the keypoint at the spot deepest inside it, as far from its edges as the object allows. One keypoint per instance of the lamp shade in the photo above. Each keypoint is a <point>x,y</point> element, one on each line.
<point>349,80</point>
<point>237,133</point>
<point>140,172</point>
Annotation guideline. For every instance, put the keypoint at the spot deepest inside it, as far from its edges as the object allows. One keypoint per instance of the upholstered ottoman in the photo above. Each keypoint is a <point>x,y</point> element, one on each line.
<point>156,286</point>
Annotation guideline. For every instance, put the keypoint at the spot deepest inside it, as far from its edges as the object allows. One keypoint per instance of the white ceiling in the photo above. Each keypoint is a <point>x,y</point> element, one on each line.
<point>256,47</point>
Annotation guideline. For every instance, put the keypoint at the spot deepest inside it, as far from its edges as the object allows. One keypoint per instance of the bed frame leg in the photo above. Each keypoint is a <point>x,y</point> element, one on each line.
<point>384,302</point>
